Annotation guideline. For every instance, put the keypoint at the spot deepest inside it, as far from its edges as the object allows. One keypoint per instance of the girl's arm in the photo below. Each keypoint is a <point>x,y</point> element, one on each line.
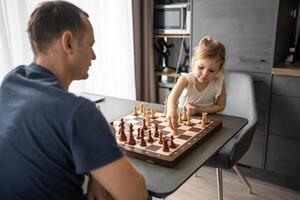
<point>172,102</point>
<point>217,107</point>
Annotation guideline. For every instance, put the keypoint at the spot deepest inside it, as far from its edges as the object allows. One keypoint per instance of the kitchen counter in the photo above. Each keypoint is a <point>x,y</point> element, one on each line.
<point>287,69</point>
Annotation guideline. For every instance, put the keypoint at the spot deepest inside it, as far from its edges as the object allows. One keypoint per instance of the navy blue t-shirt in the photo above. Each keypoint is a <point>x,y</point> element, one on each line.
<point>48,137</point>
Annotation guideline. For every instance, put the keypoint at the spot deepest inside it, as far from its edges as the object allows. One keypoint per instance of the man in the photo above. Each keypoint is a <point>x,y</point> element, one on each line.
<point>50,138</point>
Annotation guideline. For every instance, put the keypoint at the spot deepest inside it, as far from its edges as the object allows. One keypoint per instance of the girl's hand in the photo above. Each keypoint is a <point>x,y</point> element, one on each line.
<point>172,119</point>
<point>192,109</point>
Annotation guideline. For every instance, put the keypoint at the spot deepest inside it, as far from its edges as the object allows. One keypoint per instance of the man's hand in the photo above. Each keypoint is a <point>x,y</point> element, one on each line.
<point>96,191</point>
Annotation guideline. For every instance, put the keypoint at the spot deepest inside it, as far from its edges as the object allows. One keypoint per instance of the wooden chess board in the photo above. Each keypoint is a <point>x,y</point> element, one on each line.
<point>188,137</point>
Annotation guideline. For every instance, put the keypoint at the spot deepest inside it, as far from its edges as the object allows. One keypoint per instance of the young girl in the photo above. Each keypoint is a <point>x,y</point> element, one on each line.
<point>204,85</point>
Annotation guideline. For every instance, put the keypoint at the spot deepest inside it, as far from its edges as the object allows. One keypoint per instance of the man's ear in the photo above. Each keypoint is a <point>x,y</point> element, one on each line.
<point>68,42</point>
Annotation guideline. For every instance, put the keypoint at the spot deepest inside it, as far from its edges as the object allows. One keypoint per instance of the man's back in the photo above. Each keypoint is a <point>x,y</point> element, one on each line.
<point>43,148</point>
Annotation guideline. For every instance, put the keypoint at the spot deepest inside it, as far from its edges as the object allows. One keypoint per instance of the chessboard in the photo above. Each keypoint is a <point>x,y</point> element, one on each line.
<point>155,142</point>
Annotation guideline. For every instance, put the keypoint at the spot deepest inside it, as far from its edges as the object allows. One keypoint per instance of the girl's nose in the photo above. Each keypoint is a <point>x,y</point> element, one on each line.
<point>205,72</point>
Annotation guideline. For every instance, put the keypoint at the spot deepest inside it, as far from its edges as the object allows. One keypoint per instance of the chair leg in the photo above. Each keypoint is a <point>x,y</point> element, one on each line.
<point>219,183</point>
<point>241,175</point>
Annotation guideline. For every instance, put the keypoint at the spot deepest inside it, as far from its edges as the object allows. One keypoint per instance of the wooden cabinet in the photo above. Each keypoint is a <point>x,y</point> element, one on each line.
<point>246,28</point>
<point>283,156</point>
<point>284,128</point>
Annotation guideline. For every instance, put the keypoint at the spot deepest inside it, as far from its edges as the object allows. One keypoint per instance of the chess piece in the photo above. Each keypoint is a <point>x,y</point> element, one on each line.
<point>143,142</point>
<point>160,138</point>
<point>112,128</point>
<point>152,116</point>
<point>188,122</point>
<point>148,120</point>
<point>204,120</point>
<point>121,125</point>
<point>150,139</point>
<point>172,144</point>
<point>141,110</point>
<point>184,114</point>
<point>122,137</point>
<point>165,145</point>
<point>180,119</point>
<point>139,133</point>
<point>131,140</point>
<point>130,127</point>
<point>135,113</point>
<point>156,135</point>
<point>165,107</point>
<point>144,124</point>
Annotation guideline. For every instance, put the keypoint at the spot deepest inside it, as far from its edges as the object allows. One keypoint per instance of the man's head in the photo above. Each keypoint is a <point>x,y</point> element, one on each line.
<point>62,29</point>
<point>50,20</point>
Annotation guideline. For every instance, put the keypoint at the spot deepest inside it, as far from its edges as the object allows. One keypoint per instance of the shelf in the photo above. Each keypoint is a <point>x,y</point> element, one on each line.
<point>168,74</point>
<point>172,35</point>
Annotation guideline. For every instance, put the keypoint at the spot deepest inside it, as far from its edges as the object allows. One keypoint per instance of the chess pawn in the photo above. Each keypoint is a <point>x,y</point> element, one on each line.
<point>184,114</point>
<point>122,137</point>
<point>150,139</point>
<point>144,113</point>
<point>188,122</point>
<point>165,107</point>
<point>156,134</point>
<point>130,128</point>
<point>148,120</point>
<point>152,114</point>
<point>160,138</point>
<point>139,133</point>
<point>112,128</point>
<point>172,144</point>
<point>204,120</point>
<point>143,142</point>
<point>180,119</point>
<point>141,111</point>
<point>135,113</point>
<point>131,140</point>
<point>165,145</point>
<point>144,124</point>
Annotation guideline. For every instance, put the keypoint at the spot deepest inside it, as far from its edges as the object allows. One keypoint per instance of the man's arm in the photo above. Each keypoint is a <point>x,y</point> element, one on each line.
<point>121,180</point>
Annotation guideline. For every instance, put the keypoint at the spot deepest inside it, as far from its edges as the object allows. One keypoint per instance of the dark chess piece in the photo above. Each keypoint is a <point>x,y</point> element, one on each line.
<point>165,145</point>
<point>144,124</point>
<point>150,139</point>
<point>156,135</point>
<point>123,137</point>
<point>143,142</point>
<point>139,133</point>
<point>160,138</point>
<point>131,140</point>
<point>172,144</point>
<point>121,125</point>
<point>130,128</point>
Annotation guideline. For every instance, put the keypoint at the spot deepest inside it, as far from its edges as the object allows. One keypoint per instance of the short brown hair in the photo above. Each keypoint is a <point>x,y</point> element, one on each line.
<point>50,19</point>
<point>209,48</point>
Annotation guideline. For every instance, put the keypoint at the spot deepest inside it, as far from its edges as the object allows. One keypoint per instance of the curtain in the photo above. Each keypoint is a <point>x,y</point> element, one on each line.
<point>143,49</point>
<point>14,44</point>
<point>112,73</point>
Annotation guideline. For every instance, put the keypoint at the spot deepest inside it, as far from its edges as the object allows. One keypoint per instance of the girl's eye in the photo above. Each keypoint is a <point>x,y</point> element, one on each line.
<point>212,71</point>
<point>200,67</point>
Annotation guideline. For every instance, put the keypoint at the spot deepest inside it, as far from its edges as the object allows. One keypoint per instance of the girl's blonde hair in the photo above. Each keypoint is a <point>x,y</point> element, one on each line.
<point>209,48</point>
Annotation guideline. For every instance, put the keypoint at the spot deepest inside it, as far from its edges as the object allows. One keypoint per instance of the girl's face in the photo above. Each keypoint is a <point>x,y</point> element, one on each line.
<point>206,69</point>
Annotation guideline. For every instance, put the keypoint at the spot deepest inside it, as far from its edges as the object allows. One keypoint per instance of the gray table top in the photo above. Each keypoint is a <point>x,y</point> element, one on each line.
<point>162,181</point>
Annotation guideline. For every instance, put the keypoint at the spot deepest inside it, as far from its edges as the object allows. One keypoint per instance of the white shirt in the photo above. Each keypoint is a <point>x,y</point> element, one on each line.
<point>206,97</point>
